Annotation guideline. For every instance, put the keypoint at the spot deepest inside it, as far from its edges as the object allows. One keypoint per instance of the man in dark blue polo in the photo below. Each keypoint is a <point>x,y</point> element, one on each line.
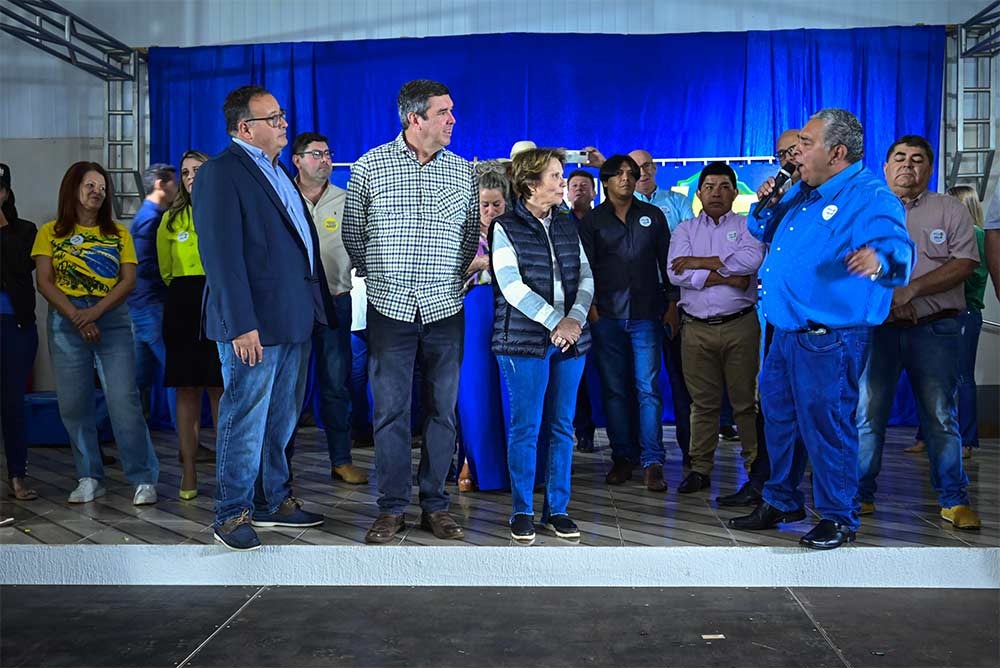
<point>839,246</point>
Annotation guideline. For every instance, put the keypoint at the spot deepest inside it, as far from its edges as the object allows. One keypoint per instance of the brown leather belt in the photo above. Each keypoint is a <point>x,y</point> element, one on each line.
<point>940,315</point>
<point>719,319</point>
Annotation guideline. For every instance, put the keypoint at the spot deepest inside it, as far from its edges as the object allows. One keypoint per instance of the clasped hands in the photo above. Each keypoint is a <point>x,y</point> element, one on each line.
<point>565,334</point>
<point>85,321</point>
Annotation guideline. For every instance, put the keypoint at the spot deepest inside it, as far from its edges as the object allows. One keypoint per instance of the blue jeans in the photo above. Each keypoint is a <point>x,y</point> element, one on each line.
<point>542,394</point>
<point>628,360</point>
<point>333,371</point>
<point>968,409</point>
<point>394,347</point>
<point>968,412</point>
<point>150,353</point>
<point>257,415</point>
<point>930,354</point>
<point>17,355</point>
<point>73,362</point>
<point>809,418</point>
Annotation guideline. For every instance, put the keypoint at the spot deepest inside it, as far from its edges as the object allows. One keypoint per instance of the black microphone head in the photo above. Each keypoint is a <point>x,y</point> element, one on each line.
<point>785,173</point>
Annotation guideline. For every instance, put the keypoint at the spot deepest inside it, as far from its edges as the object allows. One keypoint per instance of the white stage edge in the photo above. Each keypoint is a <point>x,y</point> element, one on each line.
<point>571,566</point>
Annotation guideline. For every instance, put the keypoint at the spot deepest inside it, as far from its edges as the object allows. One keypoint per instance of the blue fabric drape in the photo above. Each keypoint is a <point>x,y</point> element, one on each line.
<point>689,95</point>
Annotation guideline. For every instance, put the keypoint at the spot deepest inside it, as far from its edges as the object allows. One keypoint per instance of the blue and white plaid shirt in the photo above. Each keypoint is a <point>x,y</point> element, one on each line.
<point>412,230</point>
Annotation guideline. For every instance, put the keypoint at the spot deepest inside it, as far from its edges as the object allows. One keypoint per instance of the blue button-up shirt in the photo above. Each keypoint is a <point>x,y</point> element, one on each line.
<point>804,279</point>
<point>287,192</point>
<point>674,206</point>
<point>149,286</point>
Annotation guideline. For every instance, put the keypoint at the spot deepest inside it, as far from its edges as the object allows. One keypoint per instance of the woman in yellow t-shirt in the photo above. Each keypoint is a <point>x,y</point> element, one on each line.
<point>85,265</point>
<point>192,360</point>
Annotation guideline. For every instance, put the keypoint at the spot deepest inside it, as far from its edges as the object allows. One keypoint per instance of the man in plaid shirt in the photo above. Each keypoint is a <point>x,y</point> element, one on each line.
<point>411,226</point>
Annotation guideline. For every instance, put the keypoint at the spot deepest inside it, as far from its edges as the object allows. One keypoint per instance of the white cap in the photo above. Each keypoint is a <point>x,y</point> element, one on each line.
<point>521,147</point>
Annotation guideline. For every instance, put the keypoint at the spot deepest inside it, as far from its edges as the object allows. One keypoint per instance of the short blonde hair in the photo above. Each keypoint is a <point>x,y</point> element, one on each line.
<point>530,165</point>
<point>968,196</point>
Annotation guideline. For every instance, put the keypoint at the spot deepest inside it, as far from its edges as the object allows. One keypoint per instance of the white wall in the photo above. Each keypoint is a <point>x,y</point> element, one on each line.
<point>44,97</point>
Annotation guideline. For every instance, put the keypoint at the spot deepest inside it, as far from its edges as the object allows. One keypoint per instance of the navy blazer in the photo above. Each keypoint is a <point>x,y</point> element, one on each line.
<point>256,266</point>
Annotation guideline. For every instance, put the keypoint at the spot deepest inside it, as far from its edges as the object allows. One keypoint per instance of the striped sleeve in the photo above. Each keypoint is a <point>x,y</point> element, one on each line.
<point>513,287</point>
<point>584,292</point>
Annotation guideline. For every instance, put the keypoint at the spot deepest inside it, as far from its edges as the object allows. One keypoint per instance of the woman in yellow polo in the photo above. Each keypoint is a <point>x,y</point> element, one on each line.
<point>192,360</point>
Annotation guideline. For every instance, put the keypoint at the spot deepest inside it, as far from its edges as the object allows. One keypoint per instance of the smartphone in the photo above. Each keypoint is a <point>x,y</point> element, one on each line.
<point>576,157</point>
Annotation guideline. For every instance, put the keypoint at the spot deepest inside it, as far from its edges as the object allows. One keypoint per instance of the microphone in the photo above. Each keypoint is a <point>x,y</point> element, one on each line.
<point>780,179</point>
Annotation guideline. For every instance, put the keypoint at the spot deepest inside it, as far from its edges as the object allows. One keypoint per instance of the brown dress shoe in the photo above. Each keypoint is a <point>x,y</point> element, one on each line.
<point>652,478</point>
<point>441,524</point>
<point>350,474</point>
<point>619,473</point>
<point>384,528</point>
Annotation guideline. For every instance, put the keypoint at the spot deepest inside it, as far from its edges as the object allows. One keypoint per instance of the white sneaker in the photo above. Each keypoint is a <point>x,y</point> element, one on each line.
<point>85,492</point>
<point>144,495</point>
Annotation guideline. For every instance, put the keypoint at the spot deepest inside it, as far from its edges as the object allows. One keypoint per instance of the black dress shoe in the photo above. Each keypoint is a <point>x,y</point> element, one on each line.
<point>746,496</point>
<point>620,472</point>
<point>584,444</point>
<point>694,482</point>
<point>766,516</point>
<point>827,535</point>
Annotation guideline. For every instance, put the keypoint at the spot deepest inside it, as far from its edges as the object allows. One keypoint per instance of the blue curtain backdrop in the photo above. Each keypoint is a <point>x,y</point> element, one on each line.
<point>689,95</point>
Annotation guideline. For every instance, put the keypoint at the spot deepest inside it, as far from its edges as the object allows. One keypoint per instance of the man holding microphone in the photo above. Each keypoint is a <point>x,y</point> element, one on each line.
<point>838,247</point>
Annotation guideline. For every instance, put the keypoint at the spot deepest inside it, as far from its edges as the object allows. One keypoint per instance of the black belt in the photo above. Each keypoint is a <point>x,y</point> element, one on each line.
<point>719,319</point>
<point>933,317</point>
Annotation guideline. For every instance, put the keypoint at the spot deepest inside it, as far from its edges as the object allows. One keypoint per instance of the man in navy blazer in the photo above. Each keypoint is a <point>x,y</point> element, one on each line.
<point>265,289</point>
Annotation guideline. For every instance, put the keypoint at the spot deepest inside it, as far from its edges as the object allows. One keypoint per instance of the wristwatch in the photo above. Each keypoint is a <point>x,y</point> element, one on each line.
<point>877,274</point>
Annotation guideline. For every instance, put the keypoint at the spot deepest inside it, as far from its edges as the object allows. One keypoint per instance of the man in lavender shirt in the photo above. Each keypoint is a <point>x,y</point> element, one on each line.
<point>714,259</point>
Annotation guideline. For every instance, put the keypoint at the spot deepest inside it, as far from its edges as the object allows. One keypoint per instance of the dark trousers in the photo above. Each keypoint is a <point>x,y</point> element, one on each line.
<point>583,421</point>
<point>393,348</point>
<point>760,470</point>
<point>17,355</point>
<point>678,389</point>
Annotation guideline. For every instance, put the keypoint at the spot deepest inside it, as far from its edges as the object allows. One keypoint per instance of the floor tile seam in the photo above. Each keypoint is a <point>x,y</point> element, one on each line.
<point>186,660</point>
<point>42,516</point>
<point>724,524</point>
<point>819,628</point>
<point>618,524</point>
<point>138,538</point>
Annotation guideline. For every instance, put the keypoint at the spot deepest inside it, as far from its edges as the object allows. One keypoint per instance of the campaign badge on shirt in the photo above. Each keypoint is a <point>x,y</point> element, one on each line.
<point>938,236</point>
<point>183,236</point>
<point>731,235</point>
<point>829,212</point>
<point>76,239</point>
<point>645,221</point>
<point>331,224</point>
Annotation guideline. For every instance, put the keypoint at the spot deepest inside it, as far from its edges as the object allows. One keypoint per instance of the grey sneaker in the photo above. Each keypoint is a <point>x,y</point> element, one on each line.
<point>86,491</point>
<point>145,494</point>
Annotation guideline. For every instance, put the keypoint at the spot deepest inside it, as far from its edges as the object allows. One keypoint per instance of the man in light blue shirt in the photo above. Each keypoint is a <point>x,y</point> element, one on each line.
<point>839,246</point>
<point>674,206</point>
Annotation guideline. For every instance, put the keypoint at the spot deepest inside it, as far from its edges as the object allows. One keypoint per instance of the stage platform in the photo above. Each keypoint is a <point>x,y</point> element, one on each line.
<point>630,536</point>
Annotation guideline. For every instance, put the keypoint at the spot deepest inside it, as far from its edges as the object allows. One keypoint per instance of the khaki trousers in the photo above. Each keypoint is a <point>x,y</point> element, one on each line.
<point>717,357</point>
